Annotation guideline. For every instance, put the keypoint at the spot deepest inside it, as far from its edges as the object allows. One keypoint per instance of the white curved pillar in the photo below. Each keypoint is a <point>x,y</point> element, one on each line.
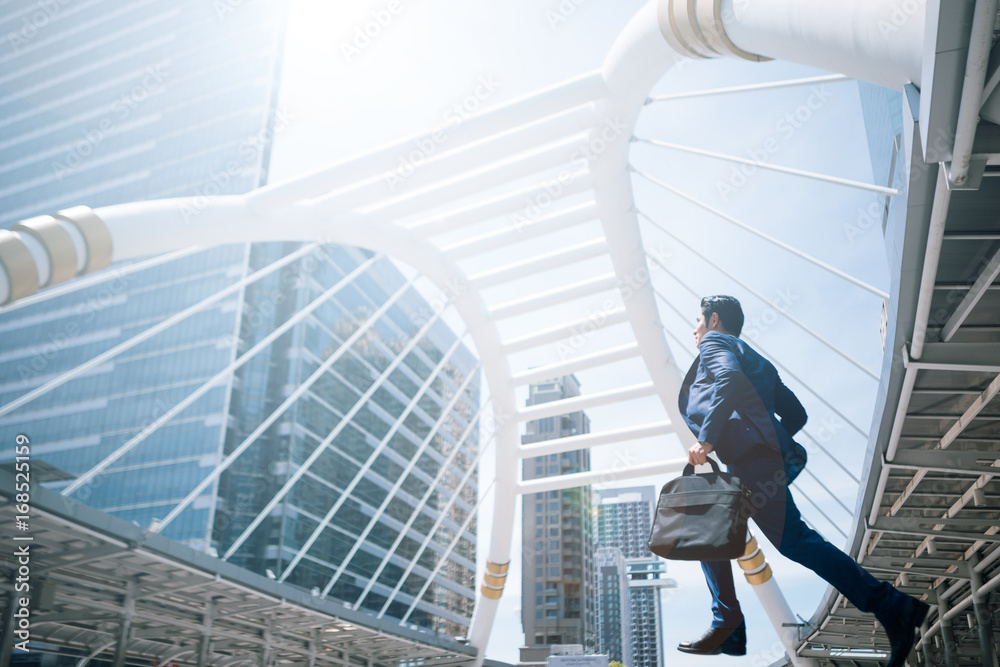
<point>638,59</point>
<point>880,41</point>
<point>874,40</point>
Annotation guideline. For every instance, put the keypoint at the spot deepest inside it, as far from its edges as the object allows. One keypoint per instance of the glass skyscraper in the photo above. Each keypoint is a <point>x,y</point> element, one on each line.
<point>623,519</point>
<point>557,581</point>
<point>104,103</point>
<point>385,436</point>
<point>614,622</point>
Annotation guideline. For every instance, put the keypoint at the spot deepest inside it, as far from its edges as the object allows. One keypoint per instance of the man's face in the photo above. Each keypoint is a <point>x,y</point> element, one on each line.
<point>700,328</point>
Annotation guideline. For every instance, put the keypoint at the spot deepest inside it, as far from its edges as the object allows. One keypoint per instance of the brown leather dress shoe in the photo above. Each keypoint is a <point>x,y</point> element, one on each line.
<point>730,641</point>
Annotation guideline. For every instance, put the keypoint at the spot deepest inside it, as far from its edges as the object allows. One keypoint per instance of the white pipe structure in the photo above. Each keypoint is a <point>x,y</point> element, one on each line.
<point>972,90</point>
<point>584,125</point>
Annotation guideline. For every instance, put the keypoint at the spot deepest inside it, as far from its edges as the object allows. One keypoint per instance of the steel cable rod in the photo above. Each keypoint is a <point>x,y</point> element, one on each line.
<point>825,488</point>
<point>326,365</point>
<point>295,395</point>
<point>773,360</point>
<point>422,503</point>
<point>306,465</point>
<point>818,509</point>
<point>806,469</point>
<point>418,351</point>
<point>399,483</point>
<point>447,552</point>
<point>150,332</point>
<point>98,278</point>
<point>806,386</point>
<point>825,402</point>
<point>437,525</point>
<point>176,409</point>
<point>369,461</point>
<point>344,421</point>
<point>827,452</point>
<point>767,237</point>
<point>770,303</point>
<point>770,85</point>
<point>823,178</point>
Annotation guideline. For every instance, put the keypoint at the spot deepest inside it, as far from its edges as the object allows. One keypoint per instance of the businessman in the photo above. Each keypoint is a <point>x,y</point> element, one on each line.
<point>734,402</point>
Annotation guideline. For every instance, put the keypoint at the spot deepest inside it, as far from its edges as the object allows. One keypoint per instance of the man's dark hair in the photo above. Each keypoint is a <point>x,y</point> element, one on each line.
<point>729,310</point>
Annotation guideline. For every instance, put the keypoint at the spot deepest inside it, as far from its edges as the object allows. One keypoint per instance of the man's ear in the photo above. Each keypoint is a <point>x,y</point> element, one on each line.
<point>713,322</point>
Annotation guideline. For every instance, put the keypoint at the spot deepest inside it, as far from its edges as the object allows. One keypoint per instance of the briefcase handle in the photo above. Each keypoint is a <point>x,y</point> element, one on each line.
<point>689,469</point>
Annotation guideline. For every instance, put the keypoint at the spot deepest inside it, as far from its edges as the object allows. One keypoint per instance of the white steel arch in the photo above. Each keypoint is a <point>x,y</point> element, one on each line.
<point>583,126</point>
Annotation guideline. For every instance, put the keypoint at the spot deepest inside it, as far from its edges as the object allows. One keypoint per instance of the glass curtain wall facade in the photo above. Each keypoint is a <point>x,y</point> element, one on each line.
<point>557,582</point>
<point>882,110</point>
<point>370,474</point>
<point>623,519</point>
<point>614,626</point>
<point>106,102</point>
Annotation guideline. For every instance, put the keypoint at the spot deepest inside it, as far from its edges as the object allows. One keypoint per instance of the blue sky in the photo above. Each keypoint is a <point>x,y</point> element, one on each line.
<point>346,95</point>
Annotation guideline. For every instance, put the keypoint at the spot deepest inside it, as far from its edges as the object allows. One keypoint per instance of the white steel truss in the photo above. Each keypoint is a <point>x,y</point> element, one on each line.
<point>502,159</point>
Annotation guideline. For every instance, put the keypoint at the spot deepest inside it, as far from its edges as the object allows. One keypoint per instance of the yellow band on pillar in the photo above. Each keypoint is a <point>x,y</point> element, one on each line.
<point>95,235</point>
<point>497,568</point>
<point>57,243</point>
<point>494,580</point>
<point>16,261</point>
<point>758,578</point>
<point>751,546</point>
<point>753,562</point>
<point>491,593</point>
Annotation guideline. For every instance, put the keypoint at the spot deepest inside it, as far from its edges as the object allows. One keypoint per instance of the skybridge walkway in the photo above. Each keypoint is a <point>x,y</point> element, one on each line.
<point>542,223</point>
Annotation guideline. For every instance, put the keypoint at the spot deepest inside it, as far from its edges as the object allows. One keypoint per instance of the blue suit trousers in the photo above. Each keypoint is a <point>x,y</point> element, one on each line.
<point>777,517</point>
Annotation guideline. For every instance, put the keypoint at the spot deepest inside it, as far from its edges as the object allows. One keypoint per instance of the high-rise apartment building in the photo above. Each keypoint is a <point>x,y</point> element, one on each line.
<point>557,582</point>
<point>357,473</point>
<point>623,519</point>
<point>614,610</point>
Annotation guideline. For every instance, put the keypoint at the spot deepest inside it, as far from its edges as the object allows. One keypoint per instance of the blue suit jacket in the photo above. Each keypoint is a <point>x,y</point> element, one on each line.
<point>733,399</point>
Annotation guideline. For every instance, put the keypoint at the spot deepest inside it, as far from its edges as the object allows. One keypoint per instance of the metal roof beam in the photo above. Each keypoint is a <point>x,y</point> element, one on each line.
<point>972,297</point>
<point>184,585</point>
<point>950,460</point>
<point>79,557</point>
<point>906,526</point>
<point>961,357</point>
